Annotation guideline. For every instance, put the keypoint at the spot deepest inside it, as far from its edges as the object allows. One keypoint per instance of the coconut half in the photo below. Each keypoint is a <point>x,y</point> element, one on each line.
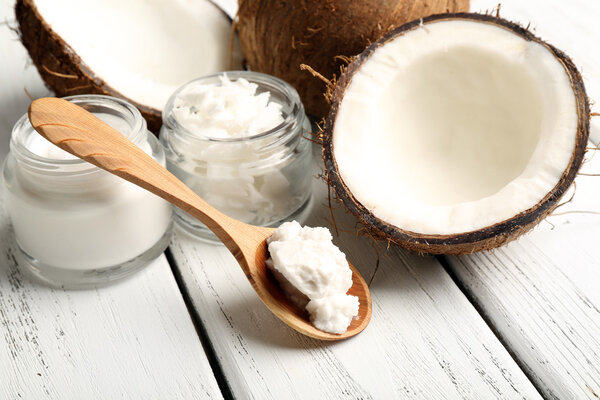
<point>136,49</point>
<point>456,133</point>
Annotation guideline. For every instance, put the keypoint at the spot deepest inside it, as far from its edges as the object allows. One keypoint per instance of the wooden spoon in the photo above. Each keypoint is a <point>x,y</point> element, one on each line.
<point>82,134</point>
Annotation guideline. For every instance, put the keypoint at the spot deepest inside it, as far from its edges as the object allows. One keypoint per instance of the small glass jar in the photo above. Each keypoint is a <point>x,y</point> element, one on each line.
<point>75,224</point>
<point>264,179</point>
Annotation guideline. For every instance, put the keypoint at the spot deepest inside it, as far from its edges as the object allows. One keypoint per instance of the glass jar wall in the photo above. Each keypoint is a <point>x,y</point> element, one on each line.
<point>263,179</point>
<point>75,224</point>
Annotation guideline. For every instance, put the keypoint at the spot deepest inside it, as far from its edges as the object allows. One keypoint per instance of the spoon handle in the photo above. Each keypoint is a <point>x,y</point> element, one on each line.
<point>82,134</point>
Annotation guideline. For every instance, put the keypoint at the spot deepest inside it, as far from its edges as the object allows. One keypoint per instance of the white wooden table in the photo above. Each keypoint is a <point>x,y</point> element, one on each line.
<point>519,322</point>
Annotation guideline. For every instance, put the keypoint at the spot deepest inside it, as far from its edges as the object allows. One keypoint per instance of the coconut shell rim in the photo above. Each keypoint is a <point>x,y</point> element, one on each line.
<point>465,242</point>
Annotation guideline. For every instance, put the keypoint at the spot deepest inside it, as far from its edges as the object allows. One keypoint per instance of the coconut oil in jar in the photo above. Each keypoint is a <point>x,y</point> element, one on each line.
<point>76,225</point>
<point>237,140</point>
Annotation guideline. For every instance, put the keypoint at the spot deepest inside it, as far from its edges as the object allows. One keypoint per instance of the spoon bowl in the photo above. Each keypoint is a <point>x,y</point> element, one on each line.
<point>82,134</point>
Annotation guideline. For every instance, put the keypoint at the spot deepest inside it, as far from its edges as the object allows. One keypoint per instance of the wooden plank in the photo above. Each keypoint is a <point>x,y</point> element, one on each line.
<point>542,296</point>
<point>134,339</point>
<point>425,339</point>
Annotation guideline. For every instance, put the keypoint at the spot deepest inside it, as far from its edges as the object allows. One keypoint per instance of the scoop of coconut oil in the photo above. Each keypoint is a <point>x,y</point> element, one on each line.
<point>314,274</point>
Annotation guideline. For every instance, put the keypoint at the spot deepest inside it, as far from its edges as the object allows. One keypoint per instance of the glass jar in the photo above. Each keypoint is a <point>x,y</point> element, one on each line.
<point>264,179</point>
<point>75,224</point>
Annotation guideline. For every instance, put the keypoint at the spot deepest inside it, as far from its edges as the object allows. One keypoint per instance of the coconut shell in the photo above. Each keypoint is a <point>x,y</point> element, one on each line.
<point>61,68</point>
<point>278,36</point>
<point>467,242</point>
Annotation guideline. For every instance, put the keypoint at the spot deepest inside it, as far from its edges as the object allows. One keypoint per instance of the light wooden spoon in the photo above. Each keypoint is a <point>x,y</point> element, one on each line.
<point>82,134</point>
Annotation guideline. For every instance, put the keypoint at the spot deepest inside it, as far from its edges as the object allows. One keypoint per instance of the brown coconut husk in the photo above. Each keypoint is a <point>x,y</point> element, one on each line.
<point>277,37</point>
<point>467,242</point>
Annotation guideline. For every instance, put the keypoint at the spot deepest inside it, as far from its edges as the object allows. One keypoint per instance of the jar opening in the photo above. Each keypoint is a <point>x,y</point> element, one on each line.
<point>32,149</point>
<point>280,92</point>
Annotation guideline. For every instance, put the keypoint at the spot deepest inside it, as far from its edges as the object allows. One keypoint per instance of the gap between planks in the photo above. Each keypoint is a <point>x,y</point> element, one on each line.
<point>443,260</point>
<point>207,345</point>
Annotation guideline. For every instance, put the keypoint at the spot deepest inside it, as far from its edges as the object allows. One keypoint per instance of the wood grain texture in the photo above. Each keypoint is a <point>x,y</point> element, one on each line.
<point>425,340</point>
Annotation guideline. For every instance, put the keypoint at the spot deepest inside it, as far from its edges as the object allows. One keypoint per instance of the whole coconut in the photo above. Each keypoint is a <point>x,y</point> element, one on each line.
<point>278,36</point>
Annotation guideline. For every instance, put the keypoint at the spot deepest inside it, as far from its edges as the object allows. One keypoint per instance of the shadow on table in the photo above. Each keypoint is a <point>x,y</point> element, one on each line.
<point>253,322</point>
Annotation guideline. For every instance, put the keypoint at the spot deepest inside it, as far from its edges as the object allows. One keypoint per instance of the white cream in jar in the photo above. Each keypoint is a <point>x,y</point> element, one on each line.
<point>74,223</point>
<point>314,274</point>
<point>236,140</point>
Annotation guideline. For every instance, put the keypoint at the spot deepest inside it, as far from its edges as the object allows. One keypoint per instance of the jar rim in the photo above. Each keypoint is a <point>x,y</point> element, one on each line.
<point>297,107</point>
<point>23,128</point>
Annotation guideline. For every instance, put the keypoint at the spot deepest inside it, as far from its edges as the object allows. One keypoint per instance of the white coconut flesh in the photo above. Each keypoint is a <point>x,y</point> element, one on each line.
<point>143,49</point>
<point>455,126</point>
